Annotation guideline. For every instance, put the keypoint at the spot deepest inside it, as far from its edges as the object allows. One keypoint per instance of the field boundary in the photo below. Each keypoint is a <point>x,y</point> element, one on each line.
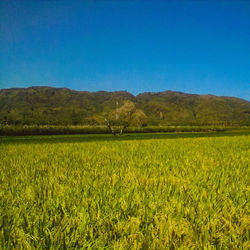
<point>67,130</point>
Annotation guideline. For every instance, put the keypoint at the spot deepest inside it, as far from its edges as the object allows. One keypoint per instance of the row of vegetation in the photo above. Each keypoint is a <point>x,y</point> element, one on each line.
<point>60,130</point>
<point>187,193</point>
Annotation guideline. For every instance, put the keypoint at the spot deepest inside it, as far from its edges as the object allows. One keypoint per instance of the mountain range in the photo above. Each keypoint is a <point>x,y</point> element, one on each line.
<point>62,106</point>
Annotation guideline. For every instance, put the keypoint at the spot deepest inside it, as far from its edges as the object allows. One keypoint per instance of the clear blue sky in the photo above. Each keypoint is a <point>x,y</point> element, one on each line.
<point>190,46</point>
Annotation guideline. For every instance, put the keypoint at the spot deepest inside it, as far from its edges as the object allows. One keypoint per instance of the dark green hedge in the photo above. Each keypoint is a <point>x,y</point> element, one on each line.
<point>56,130</point>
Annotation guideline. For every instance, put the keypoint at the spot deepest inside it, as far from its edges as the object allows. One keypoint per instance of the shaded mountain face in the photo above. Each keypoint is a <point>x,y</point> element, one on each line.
<point>61,106</point>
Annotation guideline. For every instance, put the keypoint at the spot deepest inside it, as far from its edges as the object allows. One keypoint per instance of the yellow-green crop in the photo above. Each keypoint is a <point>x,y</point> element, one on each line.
<point>150,194</point>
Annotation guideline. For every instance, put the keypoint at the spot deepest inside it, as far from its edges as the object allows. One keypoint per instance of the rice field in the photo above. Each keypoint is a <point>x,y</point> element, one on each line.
<point>164,193</point>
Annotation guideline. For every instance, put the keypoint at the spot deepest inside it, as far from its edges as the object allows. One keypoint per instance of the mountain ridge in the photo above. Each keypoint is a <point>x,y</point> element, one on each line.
<point>120,91</point>
<point>49,105</point>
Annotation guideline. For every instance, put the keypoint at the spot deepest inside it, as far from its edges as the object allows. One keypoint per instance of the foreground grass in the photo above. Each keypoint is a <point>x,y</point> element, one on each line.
<point>154,193</point>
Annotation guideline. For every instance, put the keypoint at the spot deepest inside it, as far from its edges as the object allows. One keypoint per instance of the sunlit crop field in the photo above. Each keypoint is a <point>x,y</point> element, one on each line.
<point>126,194</point>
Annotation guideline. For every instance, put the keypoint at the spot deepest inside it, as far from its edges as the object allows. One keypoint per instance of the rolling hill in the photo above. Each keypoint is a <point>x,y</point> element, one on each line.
<point>62,106</point>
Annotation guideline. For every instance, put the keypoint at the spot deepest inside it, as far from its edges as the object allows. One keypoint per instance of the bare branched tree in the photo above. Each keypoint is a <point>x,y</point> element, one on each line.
<point>121,118</point>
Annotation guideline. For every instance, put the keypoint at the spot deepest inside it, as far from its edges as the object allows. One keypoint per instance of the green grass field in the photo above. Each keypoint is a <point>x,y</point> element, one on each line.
<point>154,191</point>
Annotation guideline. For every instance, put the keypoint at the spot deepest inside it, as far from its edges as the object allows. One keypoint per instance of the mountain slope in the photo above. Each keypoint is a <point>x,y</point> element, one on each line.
<point>181,108</point>
<point>47,105</point>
